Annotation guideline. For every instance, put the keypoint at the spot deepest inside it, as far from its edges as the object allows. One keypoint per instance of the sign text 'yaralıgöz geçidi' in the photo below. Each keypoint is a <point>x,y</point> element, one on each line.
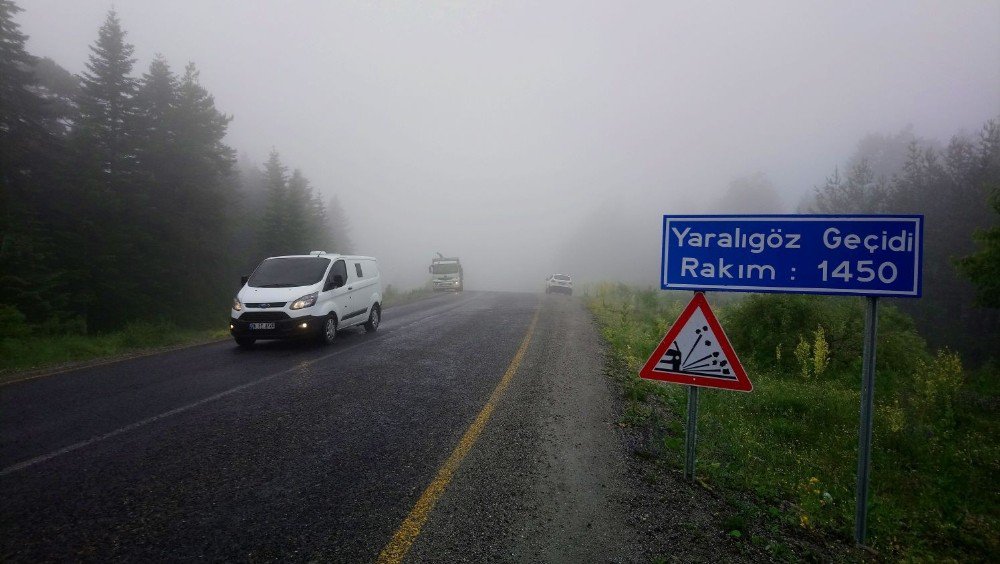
<point>809,254</point>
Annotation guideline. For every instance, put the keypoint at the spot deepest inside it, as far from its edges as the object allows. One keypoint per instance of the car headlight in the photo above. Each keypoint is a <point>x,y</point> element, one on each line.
<point>305,301</point>
<point>237,306</point>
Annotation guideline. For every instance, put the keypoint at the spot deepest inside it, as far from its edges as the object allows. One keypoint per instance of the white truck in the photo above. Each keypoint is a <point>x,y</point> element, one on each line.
<point>446,274</point>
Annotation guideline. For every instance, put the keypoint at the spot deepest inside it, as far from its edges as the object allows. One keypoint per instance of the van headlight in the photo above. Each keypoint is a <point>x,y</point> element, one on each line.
<point>305,301</point>
<point>237,306</point>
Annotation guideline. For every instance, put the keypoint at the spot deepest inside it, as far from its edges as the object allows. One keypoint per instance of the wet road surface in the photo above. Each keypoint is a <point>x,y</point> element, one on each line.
<point>293,451</point>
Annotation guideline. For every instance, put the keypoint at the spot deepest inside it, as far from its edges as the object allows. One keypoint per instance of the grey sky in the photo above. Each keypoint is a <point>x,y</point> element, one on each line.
<point>502,131</point>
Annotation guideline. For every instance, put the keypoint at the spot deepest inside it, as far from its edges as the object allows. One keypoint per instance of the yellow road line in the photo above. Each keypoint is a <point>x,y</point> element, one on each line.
<point>408,532</point>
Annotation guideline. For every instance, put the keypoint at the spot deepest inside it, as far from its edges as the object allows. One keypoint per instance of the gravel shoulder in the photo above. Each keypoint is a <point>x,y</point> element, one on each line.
<point>547,480</point>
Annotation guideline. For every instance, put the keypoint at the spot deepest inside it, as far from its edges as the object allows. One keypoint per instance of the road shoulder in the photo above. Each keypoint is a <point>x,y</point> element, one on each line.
<point>547,480</point>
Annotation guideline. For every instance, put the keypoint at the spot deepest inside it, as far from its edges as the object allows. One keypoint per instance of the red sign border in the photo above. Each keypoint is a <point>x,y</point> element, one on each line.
<point>742,382</point>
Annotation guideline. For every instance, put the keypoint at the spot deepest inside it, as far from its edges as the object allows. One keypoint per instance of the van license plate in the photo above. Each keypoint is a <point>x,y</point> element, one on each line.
<point>262,325</point>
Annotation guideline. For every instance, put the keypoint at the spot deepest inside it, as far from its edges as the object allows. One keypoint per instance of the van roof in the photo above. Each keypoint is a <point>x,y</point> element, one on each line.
<point>325,254</point>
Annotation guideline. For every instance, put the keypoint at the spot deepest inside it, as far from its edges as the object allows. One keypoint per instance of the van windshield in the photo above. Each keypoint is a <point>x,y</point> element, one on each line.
<point>288,272</point>
<point>444,268</point>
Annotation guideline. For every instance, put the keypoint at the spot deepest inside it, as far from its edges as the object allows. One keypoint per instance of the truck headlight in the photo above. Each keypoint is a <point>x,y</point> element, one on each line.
<point>237,306</point>
<point>305,301</point>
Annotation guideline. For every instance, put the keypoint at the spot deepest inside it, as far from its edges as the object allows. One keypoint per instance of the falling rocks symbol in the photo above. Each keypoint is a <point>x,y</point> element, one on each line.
<point>696,352</point>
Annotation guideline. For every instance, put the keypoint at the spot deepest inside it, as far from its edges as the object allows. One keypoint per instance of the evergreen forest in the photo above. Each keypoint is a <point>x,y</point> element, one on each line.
<point>120,201</point>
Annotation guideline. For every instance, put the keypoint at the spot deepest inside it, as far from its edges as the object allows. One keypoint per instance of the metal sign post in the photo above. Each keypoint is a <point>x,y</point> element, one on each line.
<point>692,433</point>
<point>696,352</point>
<point>865,429</point>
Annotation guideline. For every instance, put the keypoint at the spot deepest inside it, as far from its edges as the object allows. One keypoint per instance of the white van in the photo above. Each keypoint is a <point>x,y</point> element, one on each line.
<point>311,295</point>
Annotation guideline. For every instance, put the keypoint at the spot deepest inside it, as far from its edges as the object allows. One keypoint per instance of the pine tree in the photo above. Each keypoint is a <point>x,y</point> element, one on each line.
<point>982,267</point>
<point>156,99</point>
<point>108,203</point>
<point>187,166</point>
<point>107,101</point>
<point>155,135</point>
<point>202,127</point>
<point>21,108</point>
<point>275,217</point>
<point>339,226</point>
<point>28,157</point>
<point>319,224</point>
<point>860,192</point>
<point>58,88</point>
<point>300,229</point>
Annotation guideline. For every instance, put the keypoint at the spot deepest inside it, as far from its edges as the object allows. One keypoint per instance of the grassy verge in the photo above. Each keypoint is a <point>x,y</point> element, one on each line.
<point>392,297</point>
<point>23,350</point>
<point>792,442</point>
<point>30,352</point>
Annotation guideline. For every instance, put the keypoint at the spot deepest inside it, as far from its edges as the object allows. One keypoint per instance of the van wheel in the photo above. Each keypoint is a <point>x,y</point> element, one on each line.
<point>374,318</point>
<point>245,342</point>
<point>328,331</point>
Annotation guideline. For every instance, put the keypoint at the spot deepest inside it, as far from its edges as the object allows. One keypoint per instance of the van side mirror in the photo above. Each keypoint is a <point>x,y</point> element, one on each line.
<point>430,269</point>
<point>243,280</point>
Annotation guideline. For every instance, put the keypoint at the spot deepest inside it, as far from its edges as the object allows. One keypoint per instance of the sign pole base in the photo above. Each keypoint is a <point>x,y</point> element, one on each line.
<point>692,433</point>
<point>865,429</point>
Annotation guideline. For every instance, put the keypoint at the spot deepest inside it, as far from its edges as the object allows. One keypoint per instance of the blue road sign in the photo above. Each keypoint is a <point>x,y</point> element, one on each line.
<point>861,255</point>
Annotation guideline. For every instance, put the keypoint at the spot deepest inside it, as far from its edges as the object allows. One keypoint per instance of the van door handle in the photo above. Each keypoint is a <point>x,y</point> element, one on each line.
<point>350,287</point>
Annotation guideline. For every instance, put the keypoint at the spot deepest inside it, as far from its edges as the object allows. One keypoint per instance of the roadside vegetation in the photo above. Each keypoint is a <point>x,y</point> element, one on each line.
<point>792,442</point>
<point>393,297</point>
<point>25,347</point>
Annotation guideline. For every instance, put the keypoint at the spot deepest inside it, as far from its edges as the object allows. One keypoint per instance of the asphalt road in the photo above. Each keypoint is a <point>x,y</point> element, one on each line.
<point>294,451</point>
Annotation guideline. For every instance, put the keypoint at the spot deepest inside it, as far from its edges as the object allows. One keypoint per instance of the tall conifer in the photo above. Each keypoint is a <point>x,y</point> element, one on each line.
<point>107,100</point>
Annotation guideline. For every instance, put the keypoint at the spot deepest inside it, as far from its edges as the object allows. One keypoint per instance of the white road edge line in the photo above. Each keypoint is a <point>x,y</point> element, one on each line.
<point>132,426</point>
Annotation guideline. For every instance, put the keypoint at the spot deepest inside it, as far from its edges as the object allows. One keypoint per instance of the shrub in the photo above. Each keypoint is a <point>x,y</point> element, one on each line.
<point>764,325</point>
<point>802,354</point>
<point>936,383</point>
<point>146,334</point>
<point>821,352</point>
<point>13,323</point>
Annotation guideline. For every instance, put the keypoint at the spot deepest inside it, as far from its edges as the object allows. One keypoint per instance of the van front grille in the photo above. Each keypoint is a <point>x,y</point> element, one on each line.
<point>257,316</point>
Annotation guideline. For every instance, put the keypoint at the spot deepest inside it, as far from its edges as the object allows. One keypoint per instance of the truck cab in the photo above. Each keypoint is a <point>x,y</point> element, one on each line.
<point>446,274</point>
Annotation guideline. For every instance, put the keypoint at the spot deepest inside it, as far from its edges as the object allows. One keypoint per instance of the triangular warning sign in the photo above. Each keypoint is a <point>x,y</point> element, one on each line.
<point>696,352</point>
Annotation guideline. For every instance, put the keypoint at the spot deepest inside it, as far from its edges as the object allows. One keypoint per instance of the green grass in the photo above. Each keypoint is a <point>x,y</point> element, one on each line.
<point>27,351</point>
<point>392,297</point>
<point>792,442</point>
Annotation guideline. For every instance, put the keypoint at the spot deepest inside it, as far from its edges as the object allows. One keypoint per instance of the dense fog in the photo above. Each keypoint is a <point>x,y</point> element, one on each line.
<point>530,138</point>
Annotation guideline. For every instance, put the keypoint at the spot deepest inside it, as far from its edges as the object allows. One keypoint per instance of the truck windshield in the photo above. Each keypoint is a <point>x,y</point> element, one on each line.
<point>445,268</point>
<point>288,272</point>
